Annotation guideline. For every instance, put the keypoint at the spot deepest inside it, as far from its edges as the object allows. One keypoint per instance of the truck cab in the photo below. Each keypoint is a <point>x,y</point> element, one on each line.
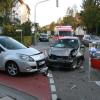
<point>61,31</point>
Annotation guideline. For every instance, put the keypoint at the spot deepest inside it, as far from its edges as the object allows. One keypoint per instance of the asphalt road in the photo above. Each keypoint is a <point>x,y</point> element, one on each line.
<point>74,84</point>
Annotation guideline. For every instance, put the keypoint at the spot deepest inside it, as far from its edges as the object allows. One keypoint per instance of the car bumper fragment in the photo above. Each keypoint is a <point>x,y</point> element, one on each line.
<point>59,63</point>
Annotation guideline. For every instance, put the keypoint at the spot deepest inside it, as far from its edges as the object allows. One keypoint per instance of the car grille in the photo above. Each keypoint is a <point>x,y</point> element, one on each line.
<point>54,57</point>
<point>38,64</point>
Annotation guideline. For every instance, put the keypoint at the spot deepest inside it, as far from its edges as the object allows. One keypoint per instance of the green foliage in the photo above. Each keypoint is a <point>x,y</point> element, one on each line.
<point>91,15</point>
<point>1,21</point>
<point>8,29</point>
<point>27,40</point>
<point>26,27</point>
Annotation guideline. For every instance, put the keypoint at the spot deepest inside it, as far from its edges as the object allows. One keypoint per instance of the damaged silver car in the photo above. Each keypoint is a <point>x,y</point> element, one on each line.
<point>66,52</point>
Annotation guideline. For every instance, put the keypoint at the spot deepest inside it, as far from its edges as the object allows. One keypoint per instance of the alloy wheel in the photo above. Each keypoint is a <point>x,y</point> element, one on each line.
<point>12,69</point>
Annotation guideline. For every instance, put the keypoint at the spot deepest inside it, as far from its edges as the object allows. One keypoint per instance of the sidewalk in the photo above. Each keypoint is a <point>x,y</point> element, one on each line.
<point>7,93</point>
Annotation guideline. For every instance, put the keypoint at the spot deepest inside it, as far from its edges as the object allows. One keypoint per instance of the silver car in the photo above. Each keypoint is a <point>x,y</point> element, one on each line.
<point>44,37</point>
<point>15,57</point>
<point>66,52</point>
<point>90,39</point>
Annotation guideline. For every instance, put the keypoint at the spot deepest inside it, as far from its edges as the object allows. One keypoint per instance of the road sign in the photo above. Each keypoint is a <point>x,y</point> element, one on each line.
<point>18,30</point>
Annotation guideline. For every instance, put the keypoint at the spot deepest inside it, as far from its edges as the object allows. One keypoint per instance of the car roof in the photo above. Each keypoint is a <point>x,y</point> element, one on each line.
<point>68,37</point>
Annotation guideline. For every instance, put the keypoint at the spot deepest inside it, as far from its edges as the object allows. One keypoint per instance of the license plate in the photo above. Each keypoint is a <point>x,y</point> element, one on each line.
<point>42,62</point>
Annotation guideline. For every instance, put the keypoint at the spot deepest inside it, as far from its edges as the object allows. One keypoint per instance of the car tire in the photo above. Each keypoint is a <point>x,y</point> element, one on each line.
<point>12,68</point>
<point>79,63</point>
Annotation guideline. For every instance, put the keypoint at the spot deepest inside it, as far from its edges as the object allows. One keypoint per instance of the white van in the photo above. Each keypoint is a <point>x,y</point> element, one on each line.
<point>44,37</point>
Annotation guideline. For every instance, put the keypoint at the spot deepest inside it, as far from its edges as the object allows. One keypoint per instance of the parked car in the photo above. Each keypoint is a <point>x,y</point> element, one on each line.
<point>95,58</point>
<point>44,37</point>
<point>66,52</point>
<point>90,39</point>
<point>15,57</point>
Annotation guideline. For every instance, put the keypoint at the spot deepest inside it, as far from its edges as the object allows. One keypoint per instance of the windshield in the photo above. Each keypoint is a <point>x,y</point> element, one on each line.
<point>65,33</point>
<point>67,43</point>
<point>11,44</point>
<point>44,35</point>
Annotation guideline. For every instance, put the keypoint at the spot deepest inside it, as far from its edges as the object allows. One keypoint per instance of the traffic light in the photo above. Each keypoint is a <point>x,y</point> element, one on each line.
<point>57,3</point>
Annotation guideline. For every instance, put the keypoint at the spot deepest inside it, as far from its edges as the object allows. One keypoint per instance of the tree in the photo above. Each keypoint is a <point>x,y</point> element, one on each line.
<point>26,27</point>
<point>91,15</point>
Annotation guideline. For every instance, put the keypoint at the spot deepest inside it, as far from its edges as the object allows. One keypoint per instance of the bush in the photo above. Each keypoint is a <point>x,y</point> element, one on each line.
<point>27,40</point>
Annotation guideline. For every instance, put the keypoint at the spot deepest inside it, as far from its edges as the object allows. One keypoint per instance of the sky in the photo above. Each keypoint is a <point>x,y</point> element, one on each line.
<point>47,12</point>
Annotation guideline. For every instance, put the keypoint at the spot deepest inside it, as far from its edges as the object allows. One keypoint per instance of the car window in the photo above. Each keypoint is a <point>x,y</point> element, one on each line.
<point>67,43</point>
<point>87,37</point>
<point>12,44</point>
<point>95,37</point>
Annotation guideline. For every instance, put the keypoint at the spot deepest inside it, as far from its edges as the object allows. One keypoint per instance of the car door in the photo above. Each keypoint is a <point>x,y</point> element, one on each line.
<point>1,57</point>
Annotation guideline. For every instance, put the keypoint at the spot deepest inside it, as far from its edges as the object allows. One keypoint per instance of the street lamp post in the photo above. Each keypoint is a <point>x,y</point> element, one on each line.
<point>35,7</point>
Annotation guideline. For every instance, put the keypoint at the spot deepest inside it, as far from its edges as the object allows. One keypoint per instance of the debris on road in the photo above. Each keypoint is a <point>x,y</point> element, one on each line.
<point>74,86</point>
<point>81,71</point>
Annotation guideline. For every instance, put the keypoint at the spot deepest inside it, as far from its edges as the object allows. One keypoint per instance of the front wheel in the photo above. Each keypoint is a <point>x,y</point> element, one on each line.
<point>80,63</point>
<point>12,69</point>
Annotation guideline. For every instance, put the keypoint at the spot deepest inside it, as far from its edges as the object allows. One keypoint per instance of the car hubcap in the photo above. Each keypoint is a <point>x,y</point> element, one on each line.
<point>12,69</point>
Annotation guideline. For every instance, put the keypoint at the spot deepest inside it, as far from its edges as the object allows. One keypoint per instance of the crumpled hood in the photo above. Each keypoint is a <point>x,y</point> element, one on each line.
<point>61,51</point>
<point>27,51</point>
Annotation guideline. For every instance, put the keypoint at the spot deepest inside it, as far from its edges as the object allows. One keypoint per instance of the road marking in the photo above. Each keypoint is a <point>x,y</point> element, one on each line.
<point>52,86</point>
<point>54,97</point>
<point>51,81</point>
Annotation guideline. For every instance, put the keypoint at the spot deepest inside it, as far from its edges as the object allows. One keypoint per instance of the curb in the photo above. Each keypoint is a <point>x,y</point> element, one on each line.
<point>7,98</point>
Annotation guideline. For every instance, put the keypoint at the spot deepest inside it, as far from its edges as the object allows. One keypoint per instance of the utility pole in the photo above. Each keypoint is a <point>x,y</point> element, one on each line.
<point>57,3</point>
<point>35,7</point>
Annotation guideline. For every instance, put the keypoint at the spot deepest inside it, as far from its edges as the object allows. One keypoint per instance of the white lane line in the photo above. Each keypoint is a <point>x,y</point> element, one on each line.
<point>54,97</point>
<point>51,81</point>
<point>50,75</point>
<point>52,86</point>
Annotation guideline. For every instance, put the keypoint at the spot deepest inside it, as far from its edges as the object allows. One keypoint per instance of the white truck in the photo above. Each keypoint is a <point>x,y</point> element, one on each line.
<point>63,30</point>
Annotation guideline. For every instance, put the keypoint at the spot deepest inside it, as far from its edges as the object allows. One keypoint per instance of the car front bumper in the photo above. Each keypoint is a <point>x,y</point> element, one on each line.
<point>32,66</point>
<point>59,63</point>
